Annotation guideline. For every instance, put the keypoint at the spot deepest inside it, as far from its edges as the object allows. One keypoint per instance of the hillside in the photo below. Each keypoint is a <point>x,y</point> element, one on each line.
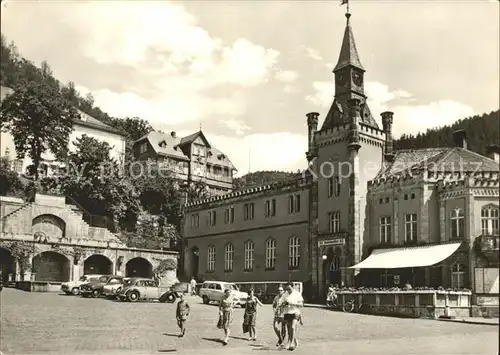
<point>261,178</point>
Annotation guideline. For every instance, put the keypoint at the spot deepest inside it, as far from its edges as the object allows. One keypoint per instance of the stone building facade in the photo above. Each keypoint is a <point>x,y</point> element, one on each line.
<point>191,158</point>
<point>49,239</point>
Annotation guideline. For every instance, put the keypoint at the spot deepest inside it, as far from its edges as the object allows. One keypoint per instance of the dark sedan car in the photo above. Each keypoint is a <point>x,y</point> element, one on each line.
<point>95,289</point>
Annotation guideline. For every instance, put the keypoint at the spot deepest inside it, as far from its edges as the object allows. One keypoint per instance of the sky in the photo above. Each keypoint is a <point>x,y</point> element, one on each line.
<point>247,72</point>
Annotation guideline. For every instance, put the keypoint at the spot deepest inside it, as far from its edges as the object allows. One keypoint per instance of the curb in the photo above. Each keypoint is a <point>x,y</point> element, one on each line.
<point>468,322</point>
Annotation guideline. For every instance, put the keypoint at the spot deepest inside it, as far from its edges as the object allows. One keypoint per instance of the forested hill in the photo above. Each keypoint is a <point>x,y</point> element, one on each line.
<point>261,178</point>
<point>482,131</point>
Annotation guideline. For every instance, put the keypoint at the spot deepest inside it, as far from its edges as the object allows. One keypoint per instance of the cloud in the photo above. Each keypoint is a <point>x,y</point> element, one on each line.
<point>311,53</point>
<point>410,116</point>
<point>238,126</point>
<point>286,76</point>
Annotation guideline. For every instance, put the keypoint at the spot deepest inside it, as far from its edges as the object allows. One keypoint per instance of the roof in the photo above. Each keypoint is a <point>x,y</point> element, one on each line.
<point>338,115</point>
<point>437,159</point>
<point>85,119</point>
<point>348,51</point>
<point>172,147</point>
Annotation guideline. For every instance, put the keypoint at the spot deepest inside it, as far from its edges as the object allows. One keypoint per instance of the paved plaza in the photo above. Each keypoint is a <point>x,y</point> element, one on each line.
<point>58,324</point>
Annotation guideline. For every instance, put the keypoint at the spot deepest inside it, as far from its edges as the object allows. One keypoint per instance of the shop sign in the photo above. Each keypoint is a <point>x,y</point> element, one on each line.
<point>331,242</point>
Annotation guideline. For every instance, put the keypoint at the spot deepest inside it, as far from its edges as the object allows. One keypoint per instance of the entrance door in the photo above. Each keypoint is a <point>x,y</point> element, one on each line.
<point>195,262</point>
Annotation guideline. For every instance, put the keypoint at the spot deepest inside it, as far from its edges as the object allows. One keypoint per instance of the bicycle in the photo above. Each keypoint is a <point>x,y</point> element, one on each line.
<point>352,306</point>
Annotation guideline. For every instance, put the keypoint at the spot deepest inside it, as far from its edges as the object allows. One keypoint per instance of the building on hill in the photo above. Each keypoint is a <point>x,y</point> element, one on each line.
<point>349,194</point>
<point>86,125</point>
<point>191,158</point>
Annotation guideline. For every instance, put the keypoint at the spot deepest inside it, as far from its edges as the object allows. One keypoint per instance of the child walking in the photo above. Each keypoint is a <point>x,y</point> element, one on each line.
<point>182,314</point>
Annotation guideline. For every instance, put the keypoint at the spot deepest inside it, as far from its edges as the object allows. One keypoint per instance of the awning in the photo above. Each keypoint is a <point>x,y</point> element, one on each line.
<point>396,258</point>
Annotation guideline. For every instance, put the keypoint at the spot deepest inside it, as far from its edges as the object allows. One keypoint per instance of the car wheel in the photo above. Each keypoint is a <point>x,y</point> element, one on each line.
<point>171,298</point>
<point>133,296</point>
<point>205,300</point>
<point>75,291</point>
<point>96,293</point>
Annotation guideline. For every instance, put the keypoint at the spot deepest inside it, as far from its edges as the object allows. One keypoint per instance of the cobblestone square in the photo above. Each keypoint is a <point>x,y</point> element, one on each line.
<point>59,324</point>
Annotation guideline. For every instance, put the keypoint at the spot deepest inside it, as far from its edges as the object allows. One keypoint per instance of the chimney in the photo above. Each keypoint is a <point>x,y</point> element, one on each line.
<point>173,134</point>
<point>312,127</point>
<point>460,138</point>
<point>493,152</point>
<point>387,126</point>
<point>354,109</point>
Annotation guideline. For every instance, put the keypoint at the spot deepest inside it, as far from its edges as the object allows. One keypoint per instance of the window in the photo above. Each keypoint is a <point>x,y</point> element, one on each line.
<point>385,229</point>
<point>212,218</point>
<point>387,200</point>
<point>228,257</point>
<point>229,215</point>
<point>248,211</point>
<point>406,197</point>
<point>143,148</point>
<point>411,227</point>
<point>334,222</point>
<point>249,250</point>
<point>270,254</point>
<point>412,196</point>
<point>457,223</point>
<point>293,253</point>
<point>490,220</point>
<point>270,208</point>
<point>330,187</point>
<point>457,276</point>
<point>294,203</point>
<point>211,258</point>
<point>337,186</point>
<point>195,220</point>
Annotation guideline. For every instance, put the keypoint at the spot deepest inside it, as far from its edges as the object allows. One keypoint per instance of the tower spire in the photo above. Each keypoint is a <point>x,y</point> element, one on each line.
<point>348,52</point>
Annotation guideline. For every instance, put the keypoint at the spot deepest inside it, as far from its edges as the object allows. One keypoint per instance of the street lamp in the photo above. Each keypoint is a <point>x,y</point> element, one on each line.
<point>324,257</point>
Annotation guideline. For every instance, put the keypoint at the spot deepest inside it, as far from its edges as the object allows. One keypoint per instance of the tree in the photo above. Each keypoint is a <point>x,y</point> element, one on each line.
<point>39,119</point>
<point>10,184</point>
<point>92,178</point>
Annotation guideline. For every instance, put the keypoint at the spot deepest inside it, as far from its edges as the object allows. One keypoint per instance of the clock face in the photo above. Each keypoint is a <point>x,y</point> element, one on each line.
<point>356,78</point>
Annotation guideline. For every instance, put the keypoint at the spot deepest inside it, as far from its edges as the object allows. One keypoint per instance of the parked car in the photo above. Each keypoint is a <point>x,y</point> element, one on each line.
<point>174,292</point>
<point>142,289</point>
<point>214,290</point>
<point>111,289</point>
<point>73,287</point>
<point>95,289</point>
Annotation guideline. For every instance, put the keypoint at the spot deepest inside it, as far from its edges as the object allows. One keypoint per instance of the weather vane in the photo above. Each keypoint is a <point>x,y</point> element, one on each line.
<point>345,2</point>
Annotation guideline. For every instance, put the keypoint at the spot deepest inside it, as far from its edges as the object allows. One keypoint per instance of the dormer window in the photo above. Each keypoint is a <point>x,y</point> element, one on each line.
<point>162,144</point>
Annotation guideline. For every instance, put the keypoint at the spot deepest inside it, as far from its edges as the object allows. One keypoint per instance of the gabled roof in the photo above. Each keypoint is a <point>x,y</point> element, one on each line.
<point>172,147</point>
<point>348,52</point>
<point>338,115</point>
<point>438,160</point>
<point>192,137</point>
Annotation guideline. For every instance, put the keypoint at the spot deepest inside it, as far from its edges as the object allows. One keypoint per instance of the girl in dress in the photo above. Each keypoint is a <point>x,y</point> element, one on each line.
<point>226,314</point>
<point>251,315</point>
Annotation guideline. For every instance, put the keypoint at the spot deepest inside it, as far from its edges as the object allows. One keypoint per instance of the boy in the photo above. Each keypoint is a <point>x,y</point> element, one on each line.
<point>182,314</point>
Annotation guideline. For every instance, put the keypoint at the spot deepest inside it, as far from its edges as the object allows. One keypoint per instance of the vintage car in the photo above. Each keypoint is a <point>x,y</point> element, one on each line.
<point>73,287</point>
<point>214,290</point>
<point>142,289</point>
<point>112,289</point>
<point>95,289</point>
<point>174,292</point>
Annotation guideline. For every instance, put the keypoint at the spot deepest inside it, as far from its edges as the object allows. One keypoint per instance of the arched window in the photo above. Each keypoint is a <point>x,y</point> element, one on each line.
<point>335,264</point>
<point>270,254</point>
<point>337,186</point>
<point>457,276</point>
<point>228,257</point>
<point>457,223</point>
<point>490,224</point>
<point>211,258</point>
<point>249,250</point>
<point>293,253</point>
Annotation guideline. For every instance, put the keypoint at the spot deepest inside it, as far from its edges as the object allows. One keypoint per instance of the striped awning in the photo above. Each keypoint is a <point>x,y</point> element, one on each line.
<point>397,258</point>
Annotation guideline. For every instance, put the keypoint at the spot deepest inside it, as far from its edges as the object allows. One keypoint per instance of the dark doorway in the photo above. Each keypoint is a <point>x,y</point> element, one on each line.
<point>139,267</point>
<point>97,265</point>
<point>195,262</point>
<point>51,266</point>
<point>7,264</point>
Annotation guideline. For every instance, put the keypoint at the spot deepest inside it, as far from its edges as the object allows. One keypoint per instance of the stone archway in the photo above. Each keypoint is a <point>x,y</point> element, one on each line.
<point>97,264</point>
<point>195,262</point>
<point>51,266</point>
<point>49,225</point>
<point>7,264</point>
<point>139,267</point>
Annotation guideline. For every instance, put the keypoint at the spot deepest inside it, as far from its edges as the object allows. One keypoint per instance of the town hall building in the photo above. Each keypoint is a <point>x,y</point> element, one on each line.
<point>357,200</point>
